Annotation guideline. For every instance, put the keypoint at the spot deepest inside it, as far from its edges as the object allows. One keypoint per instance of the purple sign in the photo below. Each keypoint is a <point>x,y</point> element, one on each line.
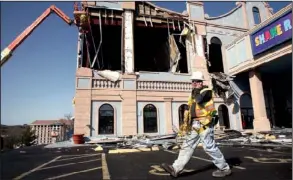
<point>271,35</point>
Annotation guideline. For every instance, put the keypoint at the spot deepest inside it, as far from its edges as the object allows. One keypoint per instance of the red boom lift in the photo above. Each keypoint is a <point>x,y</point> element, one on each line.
<point>7,52</point>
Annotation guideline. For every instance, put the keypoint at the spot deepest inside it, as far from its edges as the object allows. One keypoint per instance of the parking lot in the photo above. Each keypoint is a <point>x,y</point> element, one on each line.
<point>85,163</point>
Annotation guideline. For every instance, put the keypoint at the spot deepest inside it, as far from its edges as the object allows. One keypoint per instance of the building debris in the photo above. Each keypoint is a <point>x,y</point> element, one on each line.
<point>174,54</point>
<point>271,137</point>
<point>107,74</point>
<point>280,138</point>
<point>223,83</point>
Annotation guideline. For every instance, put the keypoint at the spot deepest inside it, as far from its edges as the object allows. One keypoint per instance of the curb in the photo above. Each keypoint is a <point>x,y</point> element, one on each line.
<point>256,145</point>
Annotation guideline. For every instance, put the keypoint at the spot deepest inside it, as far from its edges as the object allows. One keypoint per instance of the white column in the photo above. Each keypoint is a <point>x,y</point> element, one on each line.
<point>260,122</point>
<point>128,41</point>
<point>199,45</point>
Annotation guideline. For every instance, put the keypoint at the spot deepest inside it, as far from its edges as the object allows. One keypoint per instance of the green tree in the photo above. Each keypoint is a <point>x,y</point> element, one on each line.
<point>11,141</point>
<point>28,136</point>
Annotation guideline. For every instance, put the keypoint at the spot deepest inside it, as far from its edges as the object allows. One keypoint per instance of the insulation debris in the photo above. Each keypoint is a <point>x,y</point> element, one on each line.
<point>107,74</point>
<point>174,54</point>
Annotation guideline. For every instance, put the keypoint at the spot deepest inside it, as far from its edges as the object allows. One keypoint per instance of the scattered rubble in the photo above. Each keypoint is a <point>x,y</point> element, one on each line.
<point>274,137</point>
<point>280,138</point>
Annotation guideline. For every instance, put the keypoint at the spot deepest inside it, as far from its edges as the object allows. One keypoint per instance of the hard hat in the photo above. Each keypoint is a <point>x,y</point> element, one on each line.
<point>197,75</point>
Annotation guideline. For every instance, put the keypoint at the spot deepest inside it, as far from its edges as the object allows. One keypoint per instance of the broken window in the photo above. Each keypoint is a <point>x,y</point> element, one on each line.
<point>106,119</point>
<point>102,44</point>
<point>215,56</point>
<point>155,50</point>
<point>181,111</point>
<point>150,120</point>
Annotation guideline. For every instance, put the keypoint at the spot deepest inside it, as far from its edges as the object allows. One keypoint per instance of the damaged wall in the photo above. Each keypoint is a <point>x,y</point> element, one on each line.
<point>132,92</point>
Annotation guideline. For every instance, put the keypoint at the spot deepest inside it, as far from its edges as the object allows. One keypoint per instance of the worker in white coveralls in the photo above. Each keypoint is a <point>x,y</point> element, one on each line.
<point>198,127</point>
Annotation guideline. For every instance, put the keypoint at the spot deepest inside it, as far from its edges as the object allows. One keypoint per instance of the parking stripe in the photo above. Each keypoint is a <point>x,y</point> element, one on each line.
<point>80,155</point>
<point>207,160</point>
<point>77,157</point>
<point>35,169</point>
<point>105,170</point>
<point>68,164</point>
<point>69,174</point>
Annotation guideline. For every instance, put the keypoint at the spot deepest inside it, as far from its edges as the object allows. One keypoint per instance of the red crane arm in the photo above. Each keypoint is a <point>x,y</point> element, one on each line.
<point>7,52</point>
<point>36,23</point>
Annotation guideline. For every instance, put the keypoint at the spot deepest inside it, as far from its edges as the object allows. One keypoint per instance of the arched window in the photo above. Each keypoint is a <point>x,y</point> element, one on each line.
<point>256,15</point>
<point>181,111</point>
<point>106,119</point>
<point>150,120</point>
<point>215,40</point>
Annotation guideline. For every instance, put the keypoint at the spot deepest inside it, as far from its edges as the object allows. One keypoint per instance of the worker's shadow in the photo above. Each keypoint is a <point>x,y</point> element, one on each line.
<point>231,161</point>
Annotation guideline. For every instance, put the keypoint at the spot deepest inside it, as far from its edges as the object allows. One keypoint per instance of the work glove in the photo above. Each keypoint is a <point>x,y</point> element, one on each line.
<point>196,125</point>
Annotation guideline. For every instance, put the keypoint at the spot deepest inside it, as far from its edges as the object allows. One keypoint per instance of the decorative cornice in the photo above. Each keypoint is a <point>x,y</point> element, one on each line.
<point>226,14</point>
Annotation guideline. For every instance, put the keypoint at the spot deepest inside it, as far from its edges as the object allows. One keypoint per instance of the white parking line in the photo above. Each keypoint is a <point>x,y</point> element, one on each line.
<point>35,169</point>
<point>207,160</point>
<point>271,151</point>
<point>69,174</point>
<point>68,164</point>
<point>77,157</point>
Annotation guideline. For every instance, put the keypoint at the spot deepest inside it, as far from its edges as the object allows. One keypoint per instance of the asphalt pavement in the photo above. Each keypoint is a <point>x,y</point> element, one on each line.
<point>84,163</point>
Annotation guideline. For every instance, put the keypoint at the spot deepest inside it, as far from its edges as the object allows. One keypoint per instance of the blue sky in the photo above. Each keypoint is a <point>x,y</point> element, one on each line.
<point>38,82</point>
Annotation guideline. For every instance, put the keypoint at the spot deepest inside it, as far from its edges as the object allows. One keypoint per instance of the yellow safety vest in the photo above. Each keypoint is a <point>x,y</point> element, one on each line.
<point>205,112</point>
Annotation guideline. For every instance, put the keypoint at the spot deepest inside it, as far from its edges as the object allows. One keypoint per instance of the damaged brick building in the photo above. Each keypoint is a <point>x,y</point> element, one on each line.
<point>135,60</point>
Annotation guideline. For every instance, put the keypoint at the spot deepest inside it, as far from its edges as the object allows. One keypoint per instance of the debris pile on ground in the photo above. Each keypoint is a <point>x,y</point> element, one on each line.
<point>274,137</point>
<point>279,137</point>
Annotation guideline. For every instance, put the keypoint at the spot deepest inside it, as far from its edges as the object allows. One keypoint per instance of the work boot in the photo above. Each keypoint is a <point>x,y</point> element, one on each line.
<point>169,169</point>
<point>222,173</point>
